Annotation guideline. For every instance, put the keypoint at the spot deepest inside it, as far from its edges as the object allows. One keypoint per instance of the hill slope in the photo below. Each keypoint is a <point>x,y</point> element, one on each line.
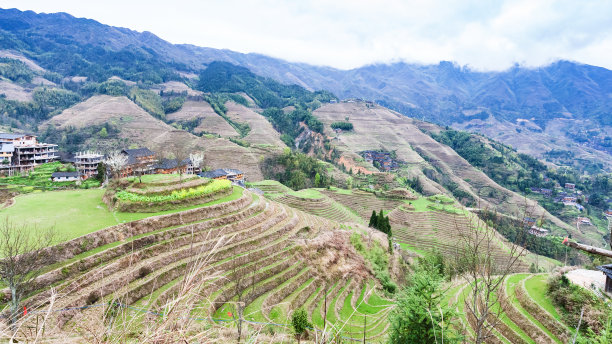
<point>376,127</point>
<point>136,126</point>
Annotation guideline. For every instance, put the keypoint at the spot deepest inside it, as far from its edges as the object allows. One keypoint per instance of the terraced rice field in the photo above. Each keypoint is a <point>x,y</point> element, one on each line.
<point>313,202</point>
<point>246,246</point>
<point>524,319</point>
<point>438,231</point>
<point>362,202</point>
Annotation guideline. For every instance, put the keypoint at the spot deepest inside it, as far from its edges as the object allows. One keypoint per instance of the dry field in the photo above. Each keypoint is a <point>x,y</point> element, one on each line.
<point>379,128</point>
<point>261,132</point>
<point>137,127</point>
<point>13,91</point>
<point>210,122</point>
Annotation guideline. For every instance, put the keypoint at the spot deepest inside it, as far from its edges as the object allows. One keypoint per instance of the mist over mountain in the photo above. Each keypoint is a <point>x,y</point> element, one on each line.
<point>559,110</point>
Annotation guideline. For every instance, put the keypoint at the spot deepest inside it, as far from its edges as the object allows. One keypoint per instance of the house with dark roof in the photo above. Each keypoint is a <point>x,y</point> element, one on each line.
<point>140,161</point>
<point>607,270</point>
<point>168,166</point>
<point>65,176</point>
<point>236,176</point>
<point>528,221</point>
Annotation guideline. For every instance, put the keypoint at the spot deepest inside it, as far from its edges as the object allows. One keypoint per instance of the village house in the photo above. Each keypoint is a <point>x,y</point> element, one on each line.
<point>546,192</point>
<point>569,199</point>
<point>23,151</point>
<point>607,270</point>
<point>537,231</point>
<point>235,176</point>
<point>65,176</point>
<point>140,161</point>
<point>608,212</point>
<point>87,163</point>
<point>383,159</point>
<point>528,221</point>
<point>167,166</point>
<point>584,221</point>
<point>570,186</point>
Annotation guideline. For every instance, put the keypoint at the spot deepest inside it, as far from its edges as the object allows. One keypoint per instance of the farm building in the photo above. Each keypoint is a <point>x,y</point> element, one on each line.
<point>607,270</point>
<point>528,221</point>
<point>584,221</point>
<point>65,176</point>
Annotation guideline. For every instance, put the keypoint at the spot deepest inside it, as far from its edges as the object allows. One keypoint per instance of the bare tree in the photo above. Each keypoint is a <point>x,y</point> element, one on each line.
<point>180,154</point>
<point>116,161</point>
<point>240,286</point>
<point>485,275</point>
<point>23,256</point>
<point>196,159</point>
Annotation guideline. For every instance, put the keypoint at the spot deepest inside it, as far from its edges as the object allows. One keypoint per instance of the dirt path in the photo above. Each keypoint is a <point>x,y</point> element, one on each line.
<point>586,278</point>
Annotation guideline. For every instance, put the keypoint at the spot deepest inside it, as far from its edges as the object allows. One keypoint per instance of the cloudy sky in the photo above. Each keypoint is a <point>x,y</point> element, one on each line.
<point>486,35</point>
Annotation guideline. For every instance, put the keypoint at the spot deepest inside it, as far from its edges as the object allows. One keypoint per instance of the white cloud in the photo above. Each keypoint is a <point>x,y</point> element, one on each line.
<point>350,33</point>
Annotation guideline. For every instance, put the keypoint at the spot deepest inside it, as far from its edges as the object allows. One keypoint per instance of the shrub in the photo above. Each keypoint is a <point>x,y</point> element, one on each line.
<point>299,322</point>
<point>93,297</point>
<point>144,271</point>
<point>421,316</point>
<point>342,125</point>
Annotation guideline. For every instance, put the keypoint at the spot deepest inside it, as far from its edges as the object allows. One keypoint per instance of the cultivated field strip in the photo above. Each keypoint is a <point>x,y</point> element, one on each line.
<point>66,278</point>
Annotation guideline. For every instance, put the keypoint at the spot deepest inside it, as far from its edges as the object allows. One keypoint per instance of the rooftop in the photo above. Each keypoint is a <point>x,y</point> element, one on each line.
<point>138,152</point>
<point>64,174</point>
<point>12,136</point>
<point>220,172</point>
<point>168,164</point>
<point>606,269</point>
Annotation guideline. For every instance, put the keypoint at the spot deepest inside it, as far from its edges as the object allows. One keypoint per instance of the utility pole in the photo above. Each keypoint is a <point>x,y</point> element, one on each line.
<point>365,318</point>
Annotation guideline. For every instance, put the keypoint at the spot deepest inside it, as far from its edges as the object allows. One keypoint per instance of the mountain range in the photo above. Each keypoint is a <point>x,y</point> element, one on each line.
<point>559,112</point>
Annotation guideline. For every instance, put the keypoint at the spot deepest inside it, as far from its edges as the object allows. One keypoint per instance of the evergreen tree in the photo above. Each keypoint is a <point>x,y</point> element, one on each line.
<point>380,221</point>
<point>420,315</point>
<point>373,219</point>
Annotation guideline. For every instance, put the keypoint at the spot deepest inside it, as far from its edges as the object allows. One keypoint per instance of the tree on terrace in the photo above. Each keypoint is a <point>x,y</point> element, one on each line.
<point>485,275</point>
<point>24,254</point>
<point>116,161</point>
<point>196,160</point>
<point>421,316</point>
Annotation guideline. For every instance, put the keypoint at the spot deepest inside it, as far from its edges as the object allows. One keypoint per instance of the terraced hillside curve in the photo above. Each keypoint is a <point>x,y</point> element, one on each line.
<point>144,263</point>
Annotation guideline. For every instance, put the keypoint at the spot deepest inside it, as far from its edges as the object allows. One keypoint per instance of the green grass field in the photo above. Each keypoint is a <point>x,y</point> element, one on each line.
<point>536,289</point>
<point>306,193</point>
<point>162,178</point>
<point>74,213</point>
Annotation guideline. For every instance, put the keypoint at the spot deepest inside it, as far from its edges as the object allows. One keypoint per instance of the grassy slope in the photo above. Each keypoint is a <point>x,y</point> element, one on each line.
<point>75,213</point>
